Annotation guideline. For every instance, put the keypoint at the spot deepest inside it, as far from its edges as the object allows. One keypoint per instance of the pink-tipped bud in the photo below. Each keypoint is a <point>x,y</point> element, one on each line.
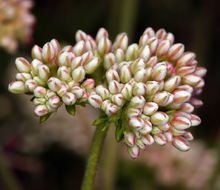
<point>125,74</point>
<point>150,108</point>
<point>95,100</point>
<point>137,102</point>
<point>177,132</point>
<point>54,102</point>
<point>172,83</point>
<point>65,59</point>
<point>36,52</point>
<point>50,94</point>
<point>136,65</point>
<point>127,91</point>
<point>91,65</point>
<point>67,48</point>
<point>185,59</point>
<point>63,90</point>
<point>181,143</point>
<point>17,87</point>
<point>109,60</point>
<point>39,101</point>
<point>175,52</point>
<point>191,79</point>
<point>159,118</point>
<point>41,110</point>
<point>48,52</point>
<point>112,74</point>
<point>144,53</point>
<point>196,102</point>
<point>149,31</point>
<point>159,71</point>
<point>160,139</point>
<point>69,98</point>
<point>160,34</point>
<point>40,91</point>
<point>39,81</point>
<point>102,91</point>
<point>163,48</point>
<point>34,66</point>
<point>152,87</point>
<point>111,109</point>
<point>188,136</point>
<point>140,144</point>
<point>187,107</point>
<point>147,128</point>
<point>180,123</point>
<point>181,96</point>
<point>30,85</point>
<point>23,76</point>
<point>195,120</point>
<point>78,74</point>
<point>134,151</point>
<point>141,75</point>
<point>79,48</point>
<point>169,136</point>
<point>164,127</point>
<point>153,44</point>
<point>121,41</point>
<point>88,84</point>
<point>54,84</point>
<point>43,72</point>
<point>22,65</point>
<point>129,138</point>
<point>185,88</point>
<point>76,62</point>
<point>133,112</point>
<point>136,123</point>
<point>139,89</point>
<point>63,73</point>
<point>182,71</point>
<point>101,33</point>
<point>200,71</point>
<point>161,98</point>
<point>131,52</point>
<point>114,87</point>
<point>118,99</point>
<point>152,61</point>
<point>104,45</point>
<point>169,36</point>
<point>78,91</point>
<point>148,139</point>
<point>143,40</point>
<point>119,55</point>
<point>56,45</point>
<point>80,35</point>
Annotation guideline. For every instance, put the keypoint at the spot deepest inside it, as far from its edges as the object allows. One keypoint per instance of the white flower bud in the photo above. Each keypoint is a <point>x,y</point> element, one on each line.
<point>159,71</point>
<point>172,83</point>
<point>181,96</point>
<point>187,107</point>
<point>39,81</point>
<point>121,41</point>
<point>79,48</point>
<point>180,123</point>
<point>181,143</point>
<point>54,102</point>
<point>54,84</point>
<point>104,45</point>
<point>160,139</point>
<point>141,75</point>
<point>153,43</point>
<point>65,58</point>
<point>34,66</point>
<point>191,79</point>
<point>131,112</point>
<point>129,138</point>
<point>40,91</point>
<point>101,33</point>
<point>195,120</point>
<point>48,52</point>
<point>104,104</point>
<point>41,110</point>
<point>76,62</point>
<point>56,45</point>
<point>163,48</point>
<point>147,128</point>
<point>137,102</point>
<point>63,73</point>
<point>136,123</point>
<point>188,136</point>
<point>30,85</point>
<point>78,74</point>
<point>160,34</point>
<point>152,61</point>
<point>149,31</point>
<point>147,139</point>
<point>91,65</point>
<point>134,151</point>
<point>185,59</point>
<point>159,118</point>
<point>118,99</point>
<point>144,53</point>
<point>114,87</point>
<point>143,40</point>
<point>95,100</point>
<point>169,36</point>
<point>200,71</point>
<point>109,60</point>
<point>151,87</point>
<point>161,98</point>
<point>88,84</point>
<point>23,76</point>
<point>111,109</point>
<point>22,65</point>
<point>182,71</point>
<point>80,35</point>
<point>125,74</point>
<point>150,108</point>
<point>78,91</point>
<point>69,98</point>
<point>17,87</point>
<point>136,65</point>
<point>175,52</point>
<point>43,72</point>
<point>139,89</point>
<point>112,74</point>
<point>140,144</point>
<point>119,55</point>
<point>102,91</point>
<point>39,101</point>
<point>36,52</point>
<point>64,88</point>
<point>185,88</point>
<point>131,52</point>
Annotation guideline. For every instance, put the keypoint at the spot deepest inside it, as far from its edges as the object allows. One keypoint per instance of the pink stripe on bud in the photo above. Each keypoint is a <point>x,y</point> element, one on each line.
<point>104,45</point>
<point>137,102</point>
<point>185,59</point>
<point>163,48</point>
<point>63,73</point>
<point>181,96</point>
<point>153,43</point>
<point>118,99</point>
<point>41,110</point>
<point>196,102</point>
<point>78,91</point>
<point>169,36</point>
<point>80,35</point>
<point>161,98</point>
<point>139,89</point>
<point>147,128</point>
<point>109,60</point>
<point>30,85</point>
<point>22,65</point>
<point>79,48</point>
<point>175,52</point>
<point>159,118</point>
<point>48,52</point>
<point>65,58</point>
<point>88,84</point>
<point>141,75</point>
<point>54,102</point>
<point>119,55</point>
<point>133,112</point>
<point>136,123</point>
<point>78,74</point>
<point>149,31</point>
<point>76,62</point>
<point>195,120</point>
<point>172,83</point>
<point>17,87</point>
<point>102,91</point>
<point>169,136</point>
<point>95,100</point>
<point>64,88</point>
<point>140,144</point>
<point>191,79</point>
<point>111,109</point>
<point>23,76</point>
<point>180,123</point>
<point>129,138</point>
<point>112,74</point>
<point>136,65</point>
<point>69,98</point>
<point>160,139</point>
<point>40,91</point>
<point>39,101</point>
<point>187,107</point>
<point>36,52</point>
<point>152,61</point>
<point>150,108</point>
<point>54,84</point>
<point>151,87</point>
<point>200,71</point>
<point>185,88</point>
<point>91,65</point>
<point>131,52</point>
<point>143,40</point>
<point>114,87</point>
<point>164,127</point>
<point>160,34</point>
<point>188,136</point>
<point>101,33</point>
<point>134,151</point>
<point>121,41</point>
<point>181,143</point>
<point>159,71</point>
<point>182,71</point>
<point>56,45</point>
<point>148,139</point>
<point>43,72</point>
<point>144,53</point>
<point>125,74</point>
<point>34,66</point>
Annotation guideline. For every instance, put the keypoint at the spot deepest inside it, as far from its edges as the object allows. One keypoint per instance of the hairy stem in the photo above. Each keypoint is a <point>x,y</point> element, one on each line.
<point>93,160</point>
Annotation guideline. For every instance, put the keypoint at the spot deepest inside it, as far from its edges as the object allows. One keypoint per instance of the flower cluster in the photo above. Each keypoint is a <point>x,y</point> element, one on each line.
<point>147,89</point>
<point>16,23</point>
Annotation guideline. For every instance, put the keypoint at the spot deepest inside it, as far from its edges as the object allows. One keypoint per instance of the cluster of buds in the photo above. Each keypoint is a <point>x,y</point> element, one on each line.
<point>16,23</point>
<point>147,89</point>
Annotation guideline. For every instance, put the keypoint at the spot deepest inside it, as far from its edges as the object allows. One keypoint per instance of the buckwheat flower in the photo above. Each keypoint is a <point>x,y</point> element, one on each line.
<point>69,98</point>
<point>131,52</point>
<point>17,87</point>
<point>150,108</point>
<point>137,102</point>
<point>41,110</point>
<point>111,109</point>
<point>91,65</point>
<point>95,100</point>
<point>114,87</point>
<point>159,118</point>
<point>109,60</point>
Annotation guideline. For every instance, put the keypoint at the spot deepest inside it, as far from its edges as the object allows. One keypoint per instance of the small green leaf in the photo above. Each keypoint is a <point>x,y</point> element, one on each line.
<point>71,109</point>
<point>32,99</point>
<point>101,120</point>
<point>44,118</point>
<point>81,104</point>
<point>119,132</point>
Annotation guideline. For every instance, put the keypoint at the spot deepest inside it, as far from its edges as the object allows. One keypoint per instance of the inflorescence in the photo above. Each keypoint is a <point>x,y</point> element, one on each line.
<point>147,89</point>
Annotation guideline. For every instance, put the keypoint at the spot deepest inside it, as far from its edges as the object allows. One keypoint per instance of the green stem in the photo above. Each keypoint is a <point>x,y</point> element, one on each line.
<point>6,175</point>
<point>93,160</point>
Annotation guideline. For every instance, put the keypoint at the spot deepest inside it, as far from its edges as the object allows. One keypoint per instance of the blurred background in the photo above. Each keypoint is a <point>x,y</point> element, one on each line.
<point>52,156</point>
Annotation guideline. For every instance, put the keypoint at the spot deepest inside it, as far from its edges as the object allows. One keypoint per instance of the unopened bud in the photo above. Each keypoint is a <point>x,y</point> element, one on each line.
<point>188,136</point>
<point>161,98</point>
<point>159,118</point>
<point>69,98</point>
<point>141,75</point>
<point>147,139</point>
<point>125,74</point>
<point>149,31</point>
<point>17,87</point>
<point>169,136</point>
<point>187,107</point>
<point>56,45</point>
<point>152,61</point>
<point>104,45</point>
<point>136,65</point>
<point>131,52</point>
<point>80,35</point>
<point>114,87</point>
<point>133,112</point>
<point>79,48</point>
<point>112,74</point>
<point>139,89</point>
<point>40,91</point>
<point>78,74</point>
<point>95,100</point>
<point>175,52</point>
<point>121,41</point>
<point>91,65</point>
<point>169,36</point>
<point>153,43</point>
<point>200,71</point>
<point>134,151</point>
<point>36,52</point>
<point>195,120</point>
<point>160,34</point>
<point>118,99</point>
<point>111,109</point>
<point>48,52</point>
<point>43,72</point>
<point>41,110</point>
<point>182,71</point>
<point>191,79</point>
<point>119,55</point>
<point>144,53</point>
<point>152,87</point>
<point>163,48</point>
<point>181,143</point>
<point>143,40</point>
<point>160,139</point>
<point>172,83</point>
<point>54,84</point>
<point>137,102</point>
<point>129,138</point>
<point>185,59</point>
<point>101,33</point>
<point>150,108</point>
<point>180,123</point>
<point>23,76</point>
<point>109,60</point>
<point>63,90</point>
<point>136,123</point>
<point>65,59</point>
<point>34,66</point>
<point>30,85</point>
<point>54,102</point>
<point>159,71</point>
<point>181,96</point>
<point>78,91</point>
<point>22,65</point>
